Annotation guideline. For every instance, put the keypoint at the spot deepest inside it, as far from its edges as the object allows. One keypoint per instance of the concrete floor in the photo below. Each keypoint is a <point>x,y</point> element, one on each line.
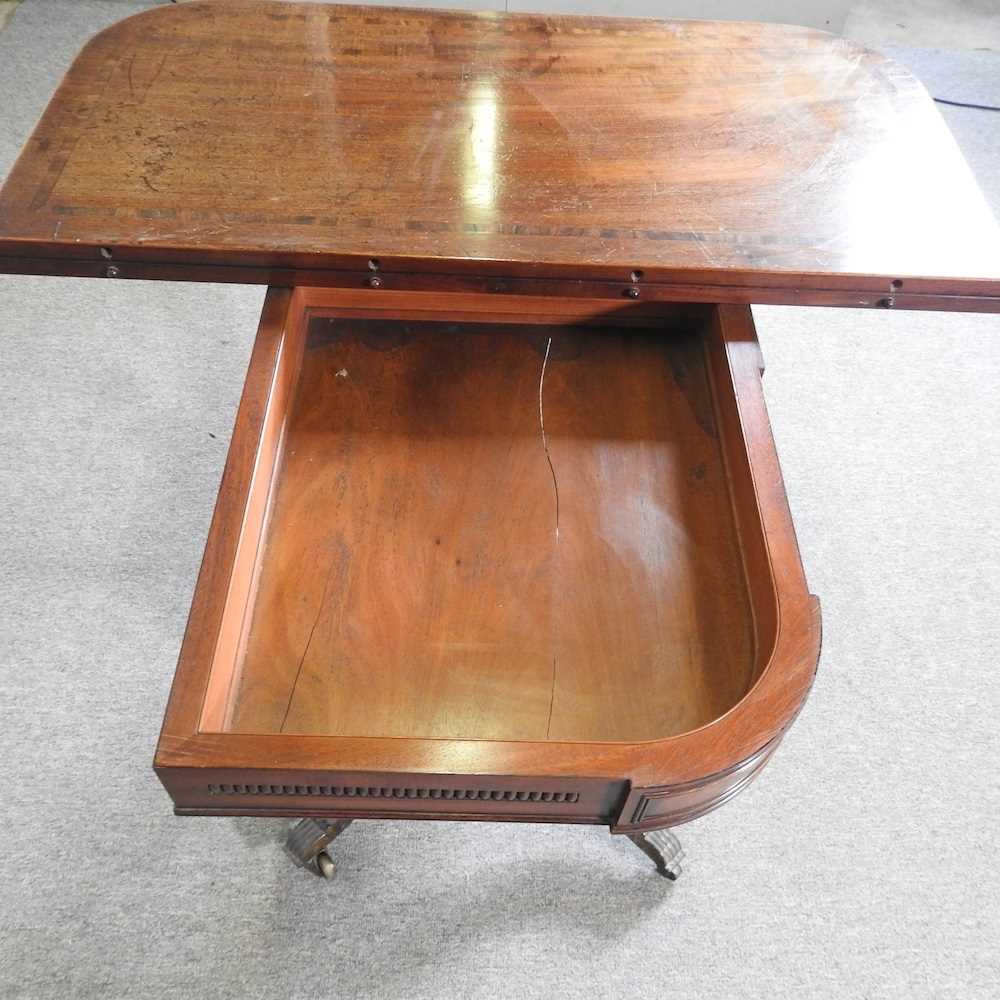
<point>933,24</point>
<point>948,24</point>
<point>6,10</point>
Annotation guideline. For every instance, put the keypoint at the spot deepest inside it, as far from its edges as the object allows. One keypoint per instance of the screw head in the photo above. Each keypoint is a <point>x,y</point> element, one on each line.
<point>111,272</point>
<point>631,293</point>
<point>375,281</point>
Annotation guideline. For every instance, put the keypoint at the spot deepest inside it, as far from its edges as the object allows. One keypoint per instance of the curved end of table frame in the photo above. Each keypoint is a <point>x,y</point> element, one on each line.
<point>629,786</point>
<point>732,749</point>
<point>653,807</point>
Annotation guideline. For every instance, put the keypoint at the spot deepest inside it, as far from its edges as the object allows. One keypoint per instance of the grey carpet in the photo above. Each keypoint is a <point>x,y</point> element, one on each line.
<point>864,863</point>
<point>971,77</point>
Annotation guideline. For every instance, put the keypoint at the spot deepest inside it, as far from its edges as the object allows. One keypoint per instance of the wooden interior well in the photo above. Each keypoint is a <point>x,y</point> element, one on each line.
<point>472,530</point>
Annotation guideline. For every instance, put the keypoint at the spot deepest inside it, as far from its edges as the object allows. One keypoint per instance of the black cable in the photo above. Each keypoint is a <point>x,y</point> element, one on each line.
<point>964,104</point>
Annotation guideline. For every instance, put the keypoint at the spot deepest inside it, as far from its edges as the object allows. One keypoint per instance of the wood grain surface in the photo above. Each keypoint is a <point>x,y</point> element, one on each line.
<point>294,143</point>
<point>497,532</point>
<point>686,394</point>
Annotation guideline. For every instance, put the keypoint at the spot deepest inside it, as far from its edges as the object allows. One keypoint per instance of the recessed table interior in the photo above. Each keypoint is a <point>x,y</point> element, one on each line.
<point>501,534</point>
<point>483,531</point>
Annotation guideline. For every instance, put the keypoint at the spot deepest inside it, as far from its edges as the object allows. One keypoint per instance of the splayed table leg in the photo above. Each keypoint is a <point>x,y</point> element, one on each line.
<point>663,848</point>
<point>307,842</point>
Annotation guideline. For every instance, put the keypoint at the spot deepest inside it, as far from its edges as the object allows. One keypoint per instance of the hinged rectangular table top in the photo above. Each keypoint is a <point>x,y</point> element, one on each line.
<point>310,144</point>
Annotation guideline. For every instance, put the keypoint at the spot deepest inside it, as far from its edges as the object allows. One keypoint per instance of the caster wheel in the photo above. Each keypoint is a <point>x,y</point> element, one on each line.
<point>325,865</point>
<point>307,842</point>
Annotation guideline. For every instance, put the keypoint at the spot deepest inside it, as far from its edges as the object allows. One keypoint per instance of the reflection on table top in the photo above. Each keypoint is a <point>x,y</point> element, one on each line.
<point>314,137</point>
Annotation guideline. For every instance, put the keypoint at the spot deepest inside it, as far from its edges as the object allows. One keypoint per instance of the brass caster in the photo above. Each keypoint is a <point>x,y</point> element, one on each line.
<point>325,865</point>
<point>307,841</point>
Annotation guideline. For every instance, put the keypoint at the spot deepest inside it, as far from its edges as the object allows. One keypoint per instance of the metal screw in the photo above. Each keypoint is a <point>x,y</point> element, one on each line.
<point>631,293</point>
<point>886,303</point>
<point>375,282</point>
<point>111,272</point>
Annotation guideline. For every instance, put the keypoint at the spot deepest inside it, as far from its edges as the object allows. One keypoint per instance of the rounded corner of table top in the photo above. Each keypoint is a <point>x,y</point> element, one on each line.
<point>822,178</point>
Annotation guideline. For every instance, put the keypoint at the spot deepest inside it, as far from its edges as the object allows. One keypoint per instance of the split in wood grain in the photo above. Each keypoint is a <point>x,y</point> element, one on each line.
<point>483,531</point>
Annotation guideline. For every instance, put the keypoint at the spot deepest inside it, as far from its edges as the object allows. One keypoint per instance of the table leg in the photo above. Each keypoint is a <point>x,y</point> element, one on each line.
<point>307,841</point>
<point>663,848</point>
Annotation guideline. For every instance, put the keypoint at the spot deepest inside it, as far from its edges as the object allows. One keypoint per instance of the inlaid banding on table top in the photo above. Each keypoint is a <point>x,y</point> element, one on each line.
<point>733,155</point>
<point>396,792</point>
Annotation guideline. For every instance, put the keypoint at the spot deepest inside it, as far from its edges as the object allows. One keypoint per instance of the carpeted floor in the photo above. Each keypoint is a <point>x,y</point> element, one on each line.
<point>863,864</point>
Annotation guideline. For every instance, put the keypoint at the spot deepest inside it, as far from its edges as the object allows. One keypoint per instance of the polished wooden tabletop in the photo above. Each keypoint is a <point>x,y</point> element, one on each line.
<point>298,143</point>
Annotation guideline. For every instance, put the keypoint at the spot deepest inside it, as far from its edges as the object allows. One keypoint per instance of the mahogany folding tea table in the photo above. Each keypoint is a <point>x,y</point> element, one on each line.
<point>501,534</point>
